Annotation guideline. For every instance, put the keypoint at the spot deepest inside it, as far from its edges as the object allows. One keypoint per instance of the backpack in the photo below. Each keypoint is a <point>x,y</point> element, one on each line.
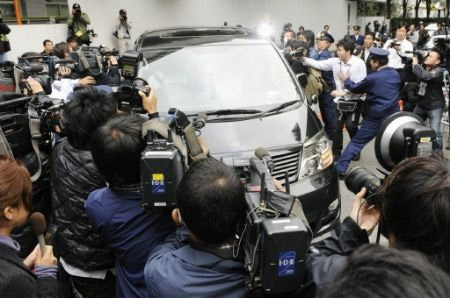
<point>315,86</point>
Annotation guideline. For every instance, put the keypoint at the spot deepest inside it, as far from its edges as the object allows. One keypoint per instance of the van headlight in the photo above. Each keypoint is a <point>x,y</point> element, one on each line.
<point>317,155</point>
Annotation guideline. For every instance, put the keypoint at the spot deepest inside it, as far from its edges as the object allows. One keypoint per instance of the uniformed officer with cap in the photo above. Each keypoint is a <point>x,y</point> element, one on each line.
<point>326,104</point>
<point>357,37</point>
<point>382,88</point>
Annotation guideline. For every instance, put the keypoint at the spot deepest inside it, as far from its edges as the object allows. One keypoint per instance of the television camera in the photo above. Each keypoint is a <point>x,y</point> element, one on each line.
<point>275,237</point>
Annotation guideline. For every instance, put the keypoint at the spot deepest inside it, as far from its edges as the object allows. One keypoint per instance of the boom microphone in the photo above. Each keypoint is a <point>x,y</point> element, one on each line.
<point>261,153</point>
<point>38,226</point>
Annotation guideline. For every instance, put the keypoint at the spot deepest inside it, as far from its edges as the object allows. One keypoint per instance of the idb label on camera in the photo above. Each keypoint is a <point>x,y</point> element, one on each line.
<point>286,263</point>
<point>158,186</point>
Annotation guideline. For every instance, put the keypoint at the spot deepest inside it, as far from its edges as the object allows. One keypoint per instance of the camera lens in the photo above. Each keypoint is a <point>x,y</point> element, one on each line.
<point>360,177</point>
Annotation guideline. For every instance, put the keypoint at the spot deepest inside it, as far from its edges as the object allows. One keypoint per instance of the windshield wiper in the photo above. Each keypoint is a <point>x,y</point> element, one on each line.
<point>281,107</point>
<point>233,112</point>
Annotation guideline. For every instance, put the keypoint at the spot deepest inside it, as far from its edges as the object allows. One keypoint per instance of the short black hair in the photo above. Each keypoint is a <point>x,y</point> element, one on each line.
<point>375,271</point>
<point>382,61</point>
<point>45,42</point>
<point>211,199</point>
<point>371,34</point>
<point>347,44</point>
<point>416,207</point>
<point>60,49</point>
<point>89,109</point>
<point>439,52</point>
<point>70,39</point>
<point>116,148</point>
<point>401,25</point>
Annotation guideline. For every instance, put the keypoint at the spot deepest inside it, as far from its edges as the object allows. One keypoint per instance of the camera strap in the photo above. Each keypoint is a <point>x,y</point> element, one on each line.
<point>5,148</point>
<point>195,149</point>
<point>35,131</point>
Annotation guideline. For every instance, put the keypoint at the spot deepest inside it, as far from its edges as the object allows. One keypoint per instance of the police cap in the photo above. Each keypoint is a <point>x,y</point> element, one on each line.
<point>327,37</point>
<point>380,53</point>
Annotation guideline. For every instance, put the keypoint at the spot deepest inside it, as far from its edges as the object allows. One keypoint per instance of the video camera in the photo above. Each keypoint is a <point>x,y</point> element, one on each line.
<point>7,82</point>
<point>276,234</point>
<point>127,94</point>
<point>402,135</point>
<point>41,68</point>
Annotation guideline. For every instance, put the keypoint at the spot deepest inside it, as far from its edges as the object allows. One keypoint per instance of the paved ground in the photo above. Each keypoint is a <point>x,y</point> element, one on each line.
<point>369,161</point>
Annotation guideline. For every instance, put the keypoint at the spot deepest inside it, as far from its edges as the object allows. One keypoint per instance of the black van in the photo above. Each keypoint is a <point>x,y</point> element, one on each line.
<point>252,99</point>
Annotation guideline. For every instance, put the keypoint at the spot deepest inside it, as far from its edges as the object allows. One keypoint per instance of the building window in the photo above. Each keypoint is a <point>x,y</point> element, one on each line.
<point>36,11</point>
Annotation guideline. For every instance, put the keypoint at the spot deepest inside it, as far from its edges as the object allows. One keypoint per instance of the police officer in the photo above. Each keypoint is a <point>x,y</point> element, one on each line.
<point>326,104</point>
<point>382,89</point>
<point>358,38</point>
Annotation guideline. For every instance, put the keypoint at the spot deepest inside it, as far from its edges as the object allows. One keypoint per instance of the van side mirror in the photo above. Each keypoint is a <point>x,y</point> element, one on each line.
<point>302,79</point>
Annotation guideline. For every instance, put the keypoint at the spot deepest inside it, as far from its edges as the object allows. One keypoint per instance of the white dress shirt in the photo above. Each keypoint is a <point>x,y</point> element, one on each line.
<point>395,60</point>
<point>355,68</point>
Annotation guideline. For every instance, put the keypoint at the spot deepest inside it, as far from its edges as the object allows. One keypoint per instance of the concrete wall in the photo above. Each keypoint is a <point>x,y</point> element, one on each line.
<point>152,14</point>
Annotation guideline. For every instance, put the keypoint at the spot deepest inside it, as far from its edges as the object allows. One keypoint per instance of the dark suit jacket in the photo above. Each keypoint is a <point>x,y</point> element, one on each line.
<point>16,281</point>
<point>362,55</point>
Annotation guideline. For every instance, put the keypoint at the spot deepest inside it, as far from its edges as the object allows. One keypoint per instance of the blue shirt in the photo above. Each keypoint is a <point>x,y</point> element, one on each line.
<point>176,269</point>
<point>382,90</point>
<point>130,231</point>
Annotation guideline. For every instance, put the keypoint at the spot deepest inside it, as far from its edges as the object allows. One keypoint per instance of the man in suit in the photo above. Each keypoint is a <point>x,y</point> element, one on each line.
<point>357,37</point>
<point>369,39</point>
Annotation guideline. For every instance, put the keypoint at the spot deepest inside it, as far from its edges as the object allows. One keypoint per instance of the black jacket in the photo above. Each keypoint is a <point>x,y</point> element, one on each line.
<point>431,82</point>
<point>328,257</point>
<point>16,281</point>
<point>73,177</point>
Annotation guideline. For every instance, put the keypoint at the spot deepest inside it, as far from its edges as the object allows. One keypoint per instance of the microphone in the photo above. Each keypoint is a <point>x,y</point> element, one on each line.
<point>38,226</point>
<point>261,153</point>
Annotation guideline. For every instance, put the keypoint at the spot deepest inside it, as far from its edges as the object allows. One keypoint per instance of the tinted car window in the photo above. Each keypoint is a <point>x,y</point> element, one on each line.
<point>218,76</point>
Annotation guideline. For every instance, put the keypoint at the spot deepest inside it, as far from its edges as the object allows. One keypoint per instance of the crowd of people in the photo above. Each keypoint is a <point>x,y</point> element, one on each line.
<point>366,79</point>
<point>102,243</point>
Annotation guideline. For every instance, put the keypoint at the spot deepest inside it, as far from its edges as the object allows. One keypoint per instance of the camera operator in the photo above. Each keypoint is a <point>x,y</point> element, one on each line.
<point>415,213</point>
<point>17,278</point>
<point>382,88</point>
<point>77,25</point>
<point>398,47</point>
<point>198,259</point>
<point>431,101</point>
<point>122,33</point>
<point>64,85</point>
<point>356,70</point>
<point>4,42</point>
<point>115,211</point>
<point>396,273</point>
<point>85,261</point>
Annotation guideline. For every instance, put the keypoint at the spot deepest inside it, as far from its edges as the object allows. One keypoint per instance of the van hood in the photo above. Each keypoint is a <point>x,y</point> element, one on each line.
<point>275,132</point>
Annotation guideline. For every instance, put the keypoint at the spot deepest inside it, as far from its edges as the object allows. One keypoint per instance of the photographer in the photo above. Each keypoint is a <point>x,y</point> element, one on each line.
<point>198,259</point>
<point>415,211</point>
<point>431,100</point>
<point>398,47</point>
<point>382,88</point>
<point>77,25</point>
<point>85,261</point>
<point>115,211</point>
<point>4,42</point>
<point>122,33</point>
<point>16,277</point>
<point>377,272</point>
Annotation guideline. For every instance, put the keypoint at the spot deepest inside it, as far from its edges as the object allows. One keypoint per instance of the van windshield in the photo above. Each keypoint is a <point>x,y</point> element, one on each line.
<point>217,77</point>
